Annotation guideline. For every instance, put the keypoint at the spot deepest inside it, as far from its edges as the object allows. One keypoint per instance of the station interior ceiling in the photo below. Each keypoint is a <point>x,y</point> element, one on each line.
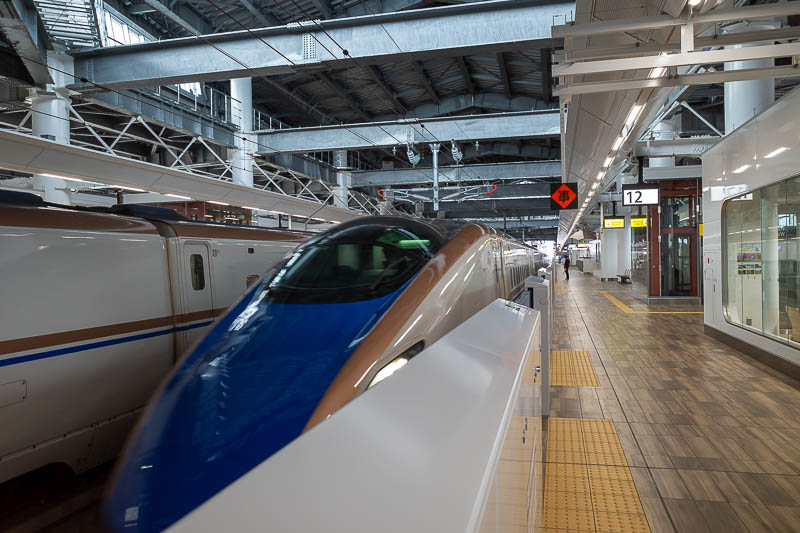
<point>464,85</point>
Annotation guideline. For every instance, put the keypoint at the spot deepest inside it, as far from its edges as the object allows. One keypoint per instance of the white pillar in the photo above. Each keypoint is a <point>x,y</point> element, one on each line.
<point>245,141</point>
<point>341,193</point>
<point>51,120</point>
<point>746,99</point>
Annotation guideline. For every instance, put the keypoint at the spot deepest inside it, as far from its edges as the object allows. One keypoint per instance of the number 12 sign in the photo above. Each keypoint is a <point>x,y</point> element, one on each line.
<point>640,195</point>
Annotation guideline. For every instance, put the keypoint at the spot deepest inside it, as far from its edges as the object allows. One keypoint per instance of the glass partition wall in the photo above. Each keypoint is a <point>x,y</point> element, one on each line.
<point>761,290</point>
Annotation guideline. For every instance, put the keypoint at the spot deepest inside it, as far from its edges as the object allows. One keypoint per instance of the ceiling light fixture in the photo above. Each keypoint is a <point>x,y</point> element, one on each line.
<point>633,114</point>
<point>218,203</point>
<point>607,162</point>
<point>617,143</point>
<point>178,196</point>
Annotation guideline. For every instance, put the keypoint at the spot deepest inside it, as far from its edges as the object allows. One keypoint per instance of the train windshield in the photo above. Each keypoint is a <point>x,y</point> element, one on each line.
<point>358,263</point>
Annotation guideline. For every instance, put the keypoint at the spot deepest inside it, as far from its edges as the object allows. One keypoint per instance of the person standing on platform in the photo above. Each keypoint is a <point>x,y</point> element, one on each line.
<point>566,267</point>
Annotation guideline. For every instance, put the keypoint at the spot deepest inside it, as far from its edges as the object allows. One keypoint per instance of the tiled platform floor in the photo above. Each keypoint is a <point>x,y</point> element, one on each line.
<point>712,438</point>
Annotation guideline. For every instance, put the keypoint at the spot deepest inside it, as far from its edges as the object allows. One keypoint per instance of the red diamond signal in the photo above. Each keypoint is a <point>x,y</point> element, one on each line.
<point>563,196</point>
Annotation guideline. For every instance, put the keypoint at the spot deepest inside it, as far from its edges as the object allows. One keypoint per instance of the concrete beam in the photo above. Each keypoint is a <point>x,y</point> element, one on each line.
<point>464,173</point>
<point>484,27</point>
<point>522,125</point>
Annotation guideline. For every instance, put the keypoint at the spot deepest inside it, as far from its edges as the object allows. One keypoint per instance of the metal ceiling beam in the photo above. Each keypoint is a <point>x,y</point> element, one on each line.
<point>492,208</point>
<point>324,7</point>
<point>673,173</point>
<point>22,28</point>
<point>522,125</point>
<point>267,19</point>
<point>677,60</point>
<point>483,27</point>
<point>703,78</point>
<point>464,173</point>
<point>462,65</point>
<point>34,155</point>
<point>425,80</point>
<point>664,21</point>
<point>514,223</point>
<point>501,62</point>
<point>510,149</point>
<point>376,75</point>
<point>496,102</point>
<point>171,15</point>
<point>691,147</point>
<point>342,93</point>
<point>526,191</point>
<point>657,47</point>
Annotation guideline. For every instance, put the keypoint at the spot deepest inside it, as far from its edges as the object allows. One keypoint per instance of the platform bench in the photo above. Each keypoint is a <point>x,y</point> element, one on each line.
<point>626,277</point>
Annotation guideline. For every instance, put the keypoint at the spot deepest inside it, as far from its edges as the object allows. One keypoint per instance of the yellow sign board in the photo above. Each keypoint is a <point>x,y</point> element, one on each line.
<point>614,222</point>
<point>701,230</point>
<point>638,222</point>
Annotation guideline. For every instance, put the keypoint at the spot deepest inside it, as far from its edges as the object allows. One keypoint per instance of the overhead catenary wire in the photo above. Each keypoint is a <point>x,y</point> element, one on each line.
<point>362,137</point>
<point>346,53</point>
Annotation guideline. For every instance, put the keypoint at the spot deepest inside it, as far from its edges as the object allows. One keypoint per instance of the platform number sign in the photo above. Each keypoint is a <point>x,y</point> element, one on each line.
<point>563,196</point>
<point>640,195</point>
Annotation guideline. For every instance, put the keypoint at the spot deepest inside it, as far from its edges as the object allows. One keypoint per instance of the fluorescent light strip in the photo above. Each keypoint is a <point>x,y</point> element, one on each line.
<point>177,196</point>
<point>633,114</point>
<point>218,203</point>
<point>617,143</point>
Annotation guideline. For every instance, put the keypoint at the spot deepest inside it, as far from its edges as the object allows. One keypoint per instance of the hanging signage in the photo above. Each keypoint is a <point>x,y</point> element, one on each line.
<point>563,196</point>
<point>614,222</point>
<point>638,222</point>
<point>640,195</point>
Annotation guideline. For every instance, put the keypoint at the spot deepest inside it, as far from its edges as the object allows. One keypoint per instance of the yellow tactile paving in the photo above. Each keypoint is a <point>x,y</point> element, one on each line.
<point>572,368</point>
<point>588,485</point>
<point>627,310</point>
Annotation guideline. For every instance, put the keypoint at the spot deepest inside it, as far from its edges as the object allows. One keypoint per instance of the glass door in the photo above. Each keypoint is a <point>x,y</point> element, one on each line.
<point>678,246</point>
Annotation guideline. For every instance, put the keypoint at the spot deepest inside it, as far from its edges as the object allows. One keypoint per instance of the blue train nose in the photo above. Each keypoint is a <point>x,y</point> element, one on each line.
<point>251,385</point>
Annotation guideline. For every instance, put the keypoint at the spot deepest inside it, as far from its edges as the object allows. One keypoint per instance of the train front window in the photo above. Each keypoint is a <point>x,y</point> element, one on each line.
<point>359,263</point>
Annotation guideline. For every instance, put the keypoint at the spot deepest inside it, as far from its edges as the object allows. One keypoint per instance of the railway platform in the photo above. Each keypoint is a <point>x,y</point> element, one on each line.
<point>706,436</point>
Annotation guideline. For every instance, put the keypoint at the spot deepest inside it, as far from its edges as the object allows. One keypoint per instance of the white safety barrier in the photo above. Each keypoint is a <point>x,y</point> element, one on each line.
<point>437,447</point>
<point>540,292</point>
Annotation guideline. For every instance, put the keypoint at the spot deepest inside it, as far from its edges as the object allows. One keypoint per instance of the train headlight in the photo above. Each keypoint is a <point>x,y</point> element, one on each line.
<point>396,364</point>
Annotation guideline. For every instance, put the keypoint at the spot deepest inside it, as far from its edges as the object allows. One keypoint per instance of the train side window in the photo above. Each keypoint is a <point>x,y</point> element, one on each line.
<point>198,273</point>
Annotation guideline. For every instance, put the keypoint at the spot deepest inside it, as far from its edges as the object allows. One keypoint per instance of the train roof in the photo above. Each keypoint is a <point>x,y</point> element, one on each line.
<point>22,209</point>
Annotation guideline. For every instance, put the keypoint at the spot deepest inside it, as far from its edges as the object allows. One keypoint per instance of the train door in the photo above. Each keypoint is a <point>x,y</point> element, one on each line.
<point>197,293</point>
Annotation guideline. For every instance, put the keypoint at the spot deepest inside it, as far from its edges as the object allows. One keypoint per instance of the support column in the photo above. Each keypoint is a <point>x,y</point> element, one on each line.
<point>50,120</point>
<point>435,150</point>
<point>746,99</point>
<point>245,141</point>
<point>664,130</point>
<point>341,193</point>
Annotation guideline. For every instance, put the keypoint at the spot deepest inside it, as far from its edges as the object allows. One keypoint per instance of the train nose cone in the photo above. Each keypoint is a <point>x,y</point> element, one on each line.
<point>244,393</point>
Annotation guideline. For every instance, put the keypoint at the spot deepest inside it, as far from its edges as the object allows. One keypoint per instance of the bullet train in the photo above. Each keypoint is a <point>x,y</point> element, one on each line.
<point>96,308</point>
<point>342,313</point>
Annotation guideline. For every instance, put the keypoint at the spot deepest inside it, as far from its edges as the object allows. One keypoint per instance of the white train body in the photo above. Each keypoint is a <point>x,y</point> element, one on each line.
<point>763,152</point>
<point>95,310</point>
